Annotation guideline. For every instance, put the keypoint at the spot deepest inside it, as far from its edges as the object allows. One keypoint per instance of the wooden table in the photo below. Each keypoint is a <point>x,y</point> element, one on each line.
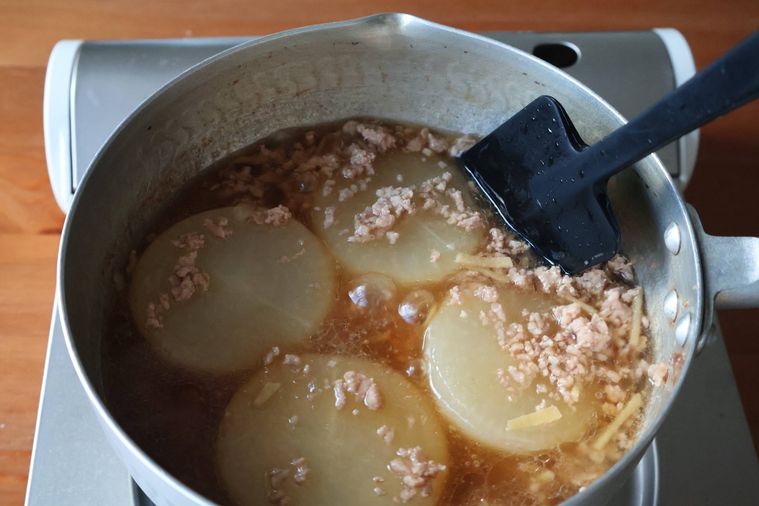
<point>724,188</point>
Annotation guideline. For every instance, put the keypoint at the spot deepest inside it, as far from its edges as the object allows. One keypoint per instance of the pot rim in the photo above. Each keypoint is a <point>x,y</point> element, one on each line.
<point>398,22</point>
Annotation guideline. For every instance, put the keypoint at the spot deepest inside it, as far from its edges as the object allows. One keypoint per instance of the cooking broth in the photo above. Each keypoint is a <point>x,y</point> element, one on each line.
<point>408,244</point>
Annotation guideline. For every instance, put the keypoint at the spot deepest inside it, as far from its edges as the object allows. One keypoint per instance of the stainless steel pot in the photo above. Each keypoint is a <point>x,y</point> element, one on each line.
<point>391,66</point>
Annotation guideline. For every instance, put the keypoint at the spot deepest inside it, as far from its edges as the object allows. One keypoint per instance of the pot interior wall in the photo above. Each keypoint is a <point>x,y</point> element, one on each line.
<point>393,67</point>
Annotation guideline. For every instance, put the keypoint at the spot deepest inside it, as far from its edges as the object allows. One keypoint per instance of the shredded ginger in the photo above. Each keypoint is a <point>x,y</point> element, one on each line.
<point>632,406</point>
<point>539,417</point>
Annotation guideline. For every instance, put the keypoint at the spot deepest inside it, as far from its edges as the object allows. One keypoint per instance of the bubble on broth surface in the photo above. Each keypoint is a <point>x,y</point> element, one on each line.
<point>426,245</point>
<point>464,357</point>
<point>371,292</point>
<point>416,306</point>
<point>287,435</point>
<point>217,290</point>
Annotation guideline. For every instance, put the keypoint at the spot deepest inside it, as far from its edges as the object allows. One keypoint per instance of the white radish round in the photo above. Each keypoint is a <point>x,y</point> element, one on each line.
<point>426,245</point>
<point>463,357</point>
<point>283,438</point>
<point>250,286</point>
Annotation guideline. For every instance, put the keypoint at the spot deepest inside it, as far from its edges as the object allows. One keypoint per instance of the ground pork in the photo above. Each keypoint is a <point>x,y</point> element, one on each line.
<point>658,373</point>
<point>377,136</point>
<point>376,220</point>
<point>185,280</point>
<point>291,359</point>
<point>218,227</point>
<point>592,281</point>
<point>415,471</point>
<point>386,433</point>
<point>360,162</point>
<point>455,296</point>
<point>275,216</point>
<point>301,470</point>
<point>363,388</point>
<point>462,144</point>
<point>582,349</point>
<point>486,293</point>
<point>395,202</point>
<point>271,355</point>
<point>621,267</point>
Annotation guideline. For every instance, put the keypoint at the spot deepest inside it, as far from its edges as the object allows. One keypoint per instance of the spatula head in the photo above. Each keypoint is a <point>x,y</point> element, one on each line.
<point>528,168</point>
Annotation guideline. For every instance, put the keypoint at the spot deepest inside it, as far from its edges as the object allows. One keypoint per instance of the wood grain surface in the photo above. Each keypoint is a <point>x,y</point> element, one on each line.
<point>724,188</point>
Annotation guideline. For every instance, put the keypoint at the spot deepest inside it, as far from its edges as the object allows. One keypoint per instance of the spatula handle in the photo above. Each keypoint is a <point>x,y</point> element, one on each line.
<point>726,84</point>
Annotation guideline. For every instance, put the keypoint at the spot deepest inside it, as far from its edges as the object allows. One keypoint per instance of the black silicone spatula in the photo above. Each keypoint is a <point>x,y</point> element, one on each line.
<point>550,186</point>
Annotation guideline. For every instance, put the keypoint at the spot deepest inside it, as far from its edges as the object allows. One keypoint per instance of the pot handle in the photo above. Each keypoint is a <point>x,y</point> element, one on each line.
<point>730,267</point>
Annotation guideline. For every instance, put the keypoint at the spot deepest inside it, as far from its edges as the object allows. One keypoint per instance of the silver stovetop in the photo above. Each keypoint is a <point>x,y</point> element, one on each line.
<point>703,454</point>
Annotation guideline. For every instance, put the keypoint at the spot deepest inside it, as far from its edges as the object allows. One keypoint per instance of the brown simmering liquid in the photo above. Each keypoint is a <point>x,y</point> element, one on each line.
<point>174,413</point>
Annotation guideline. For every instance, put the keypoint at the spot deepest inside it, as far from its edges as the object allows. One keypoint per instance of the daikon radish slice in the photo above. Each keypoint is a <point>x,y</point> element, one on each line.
<point>314,441</point>
<point>240,286</point>
<point>464,358</point>
<point>405,257</point>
